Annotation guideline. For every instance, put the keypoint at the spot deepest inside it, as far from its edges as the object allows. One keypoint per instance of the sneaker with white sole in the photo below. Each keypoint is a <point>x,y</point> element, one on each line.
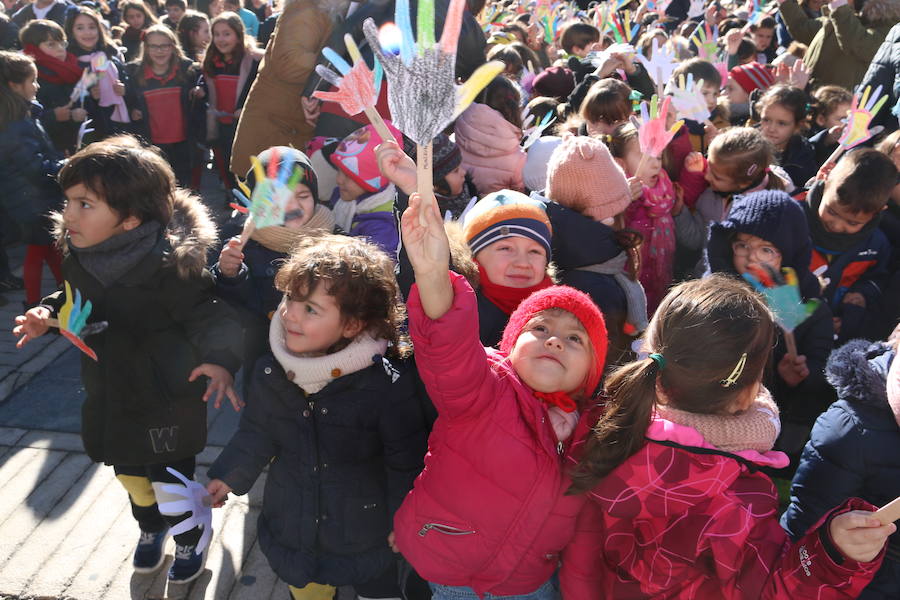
<point>149,556</point>
<point>188,565</point>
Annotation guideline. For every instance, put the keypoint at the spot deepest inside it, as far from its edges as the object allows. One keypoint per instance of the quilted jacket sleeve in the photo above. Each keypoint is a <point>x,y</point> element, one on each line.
<point>883,72</point>
<point>450,358</point>
<point>801,27</point>
<point>832,468</point>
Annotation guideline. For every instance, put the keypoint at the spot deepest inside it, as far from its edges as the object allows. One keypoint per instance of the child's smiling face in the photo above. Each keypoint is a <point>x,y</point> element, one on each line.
<point>85,32</point>
<point>89,220</point>
<point>224,38</point>
<point>313,324</point>
<point>53,48</point>
<point>553,352</point>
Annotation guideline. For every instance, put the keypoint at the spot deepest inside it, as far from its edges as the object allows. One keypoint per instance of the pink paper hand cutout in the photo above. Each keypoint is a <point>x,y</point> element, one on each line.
<point>653,135</point>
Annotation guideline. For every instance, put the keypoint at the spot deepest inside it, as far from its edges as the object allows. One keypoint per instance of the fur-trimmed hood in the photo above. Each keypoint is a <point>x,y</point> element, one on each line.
<point>876,12</point>
<point>858,371</point>
<point>190,235</point>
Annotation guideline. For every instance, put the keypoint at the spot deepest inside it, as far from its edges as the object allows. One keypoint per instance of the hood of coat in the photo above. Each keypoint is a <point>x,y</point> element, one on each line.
<point>858,371</point>
<point>482,131</point>
<point>190,235</point>
<point>880,11</point>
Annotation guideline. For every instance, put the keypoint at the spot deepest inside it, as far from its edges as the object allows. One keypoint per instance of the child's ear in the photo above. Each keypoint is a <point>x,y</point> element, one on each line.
<point>352,328</point>
<point>820,120</point>
<point>130,223</point>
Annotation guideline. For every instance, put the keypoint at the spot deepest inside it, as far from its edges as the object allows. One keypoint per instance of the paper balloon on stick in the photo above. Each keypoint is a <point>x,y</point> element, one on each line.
<point>856,124</point>
<point>357,88</point>
<point>72,321</point>
<point>422,91</point>
<point>782,294</point>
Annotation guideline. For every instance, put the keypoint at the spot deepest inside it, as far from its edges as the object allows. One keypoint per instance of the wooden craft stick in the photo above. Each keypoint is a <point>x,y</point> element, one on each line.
<point>790,342</point>
<point>889,513</point>
<point>424,180</point>
<point>249,228</point>
<point>380,126</point>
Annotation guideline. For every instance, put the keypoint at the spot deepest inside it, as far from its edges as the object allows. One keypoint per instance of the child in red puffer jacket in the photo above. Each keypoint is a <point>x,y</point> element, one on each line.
<point>677,506</point>
<point>488,514</point>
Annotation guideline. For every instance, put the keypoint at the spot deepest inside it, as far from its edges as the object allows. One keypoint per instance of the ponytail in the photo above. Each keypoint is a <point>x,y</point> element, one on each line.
<point>620,431</point>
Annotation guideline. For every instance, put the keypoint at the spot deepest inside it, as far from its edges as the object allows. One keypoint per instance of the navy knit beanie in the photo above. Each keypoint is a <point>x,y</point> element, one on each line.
<point>775,217</point>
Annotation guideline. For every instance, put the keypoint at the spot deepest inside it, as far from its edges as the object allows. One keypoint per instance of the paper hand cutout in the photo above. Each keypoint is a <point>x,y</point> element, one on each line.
<point>538,130</point>
<point>83,130</point>
<point>357,87</point>
<point>782,294</point>
<point>706,40</point>
<point>857,122</point>
<point>652,135</point>
<point>88,80</point>
<point>272,191</point>
<point>661,64</point>
<point>687,97</point>
<point>196,502</point>
<point>422,91</point>
<point>73,318</point>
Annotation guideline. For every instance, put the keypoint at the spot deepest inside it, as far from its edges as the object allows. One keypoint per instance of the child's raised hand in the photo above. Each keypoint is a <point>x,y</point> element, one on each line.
<point>694,162</point>
<point>428,250</point>
<point>32,324</point>
<point>62,113</point>
<point>218,492</point>
<point>859,535</point>
<point>220,382</point>
<point>396,166</point>
<point>231,258</point>
<point>733,40</point>
<point>635,187</point>
<point>793,369</point>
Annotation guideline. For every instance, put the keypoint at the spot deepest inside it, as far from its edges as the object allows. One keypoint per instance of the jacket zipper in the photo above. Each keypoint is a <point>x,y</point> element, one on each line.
<point>445,529</point>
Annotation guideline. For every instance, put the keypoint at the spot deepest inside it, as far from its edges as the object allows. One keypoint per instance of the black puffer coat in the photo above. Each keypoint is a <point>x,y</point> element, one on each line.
<point>163,322</point>
<point>884,71</point>
<point>340,463</point>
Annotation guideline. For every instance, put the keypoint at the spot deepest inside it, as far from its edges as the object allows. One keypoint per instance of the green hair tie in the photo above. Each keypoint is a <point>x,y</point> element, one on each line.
<point>659,359</point>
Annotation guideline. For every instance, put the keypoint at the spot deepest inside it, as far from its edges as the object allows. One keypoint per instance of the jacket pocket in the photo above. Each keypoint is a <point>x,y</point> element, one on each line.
<point>444,529</point>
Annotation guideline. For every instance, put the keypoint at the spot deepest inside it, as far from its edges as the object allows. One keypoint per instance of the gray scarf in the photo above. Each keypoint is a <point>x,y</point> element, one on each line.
<point>634,291</point>
<point>112,258</point>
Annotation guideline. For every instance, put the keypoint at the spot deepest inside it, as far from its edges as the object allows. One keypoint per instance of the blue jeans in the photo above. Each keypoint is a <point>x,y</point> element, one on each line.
<point>449,592</point>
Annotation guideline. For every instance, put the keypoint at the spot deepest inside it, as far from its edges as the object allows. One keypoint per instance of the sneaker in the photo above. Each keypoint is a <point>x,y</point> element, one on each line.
<point>11,284</point>
<point>149,556</point>
<point>188,565</point>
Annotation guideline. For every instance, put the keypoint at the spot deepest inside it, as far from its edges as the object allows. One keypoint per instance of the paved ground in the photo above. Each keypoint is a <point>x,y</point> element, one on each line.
<point>66,530</point>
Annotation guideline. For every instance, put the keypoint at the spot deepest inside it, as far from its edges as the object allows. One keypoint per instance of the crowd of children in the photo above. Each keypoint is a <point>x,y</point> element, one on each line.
<point>557,379</point>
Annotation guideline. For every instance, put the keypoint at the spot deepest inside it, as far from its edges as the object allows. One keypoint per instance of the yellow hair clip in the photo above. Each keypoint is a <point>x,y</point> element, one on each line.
<point>735,373</point>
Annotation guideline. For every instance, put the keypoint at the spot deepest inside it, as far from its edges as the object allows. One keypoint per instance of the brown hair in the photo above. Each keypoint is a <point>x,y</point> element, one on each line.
<point>188,24</point>
<point>506,54</point>
<point>103,42</point>
<point>608,100</point>
<point>502,95</point>
<point>144,57</point>
<point>15,67</point>
<point>134,180</point>
<point>618,140</point>
<point>138,5</point>
<point>744,155</point>
<point>578,35</point>
<point>792,99</point>
<point>38,31</point>
<point>360,277</point>
<point>233,20</point>
<point>827,99</point>
<point>700,69</point>
<point>868,178</point>
<point>733,323</point>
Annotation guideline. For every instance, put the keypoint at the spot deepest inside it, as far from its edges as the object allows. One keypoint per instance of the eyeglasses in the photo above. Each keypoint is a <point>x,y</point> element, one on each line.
<point>57,45</point>
<point>765,254</point>
<point>159,47</point>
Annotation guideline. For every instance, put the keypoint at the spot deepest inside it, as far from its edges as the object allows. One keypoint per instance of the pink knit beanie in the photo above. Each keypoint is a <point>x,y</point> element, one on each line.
<point>583,176</point>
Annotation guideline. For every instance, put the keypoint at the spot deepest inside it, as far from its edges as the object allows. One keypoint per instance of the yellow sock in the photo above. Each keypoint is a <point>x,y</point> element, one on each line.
<point>313,591</point>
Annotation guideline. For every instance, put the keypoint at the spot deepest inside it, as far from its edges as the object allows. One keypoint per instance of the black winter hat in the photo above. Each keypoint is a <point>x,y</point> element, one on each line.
<point>775,217</point>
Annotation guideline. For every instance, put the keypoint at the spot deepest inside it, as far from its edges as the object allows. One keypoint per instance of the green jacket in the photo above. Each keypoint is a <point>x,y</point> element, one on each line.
<point>842,42</point>
<point>164,321</point>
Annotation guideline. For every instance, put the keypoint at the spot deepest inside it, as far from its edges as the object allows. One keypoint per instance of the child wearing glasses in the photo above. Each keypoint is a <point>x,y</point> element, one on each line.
<point>162,96</point>
<point>767,229</point>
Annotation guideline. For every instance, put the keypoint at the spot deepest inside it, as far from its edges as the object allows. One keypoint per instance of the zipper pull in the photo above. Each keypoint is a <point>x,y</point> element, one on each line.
<point>559,447</point>
<point>425,529</point>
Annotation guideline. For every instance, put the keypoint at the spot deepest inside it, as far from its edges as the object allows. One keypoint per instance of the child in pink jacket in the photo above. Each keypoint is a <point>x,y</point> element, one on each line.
<point>488,514</point>
<point>488,134</point>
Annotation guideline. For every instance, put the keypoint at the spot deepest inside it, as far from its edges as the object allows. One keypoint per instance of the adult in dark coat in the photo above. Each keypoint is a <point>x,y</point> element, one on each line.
<point>854,451</point>
<point>140,408</point>
<point>58,12</point>
<point>884,71</point>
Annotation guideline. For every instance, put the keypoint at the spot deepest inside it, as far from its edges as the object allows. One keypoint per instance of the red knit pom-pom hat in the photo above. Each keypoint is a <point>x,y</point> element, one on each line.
<point>572,301</point>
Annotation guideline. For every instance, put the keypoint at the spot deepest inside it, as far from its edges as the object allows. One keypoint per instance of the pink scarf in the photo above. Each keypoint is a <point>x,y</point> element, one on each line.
<point>105,79</point>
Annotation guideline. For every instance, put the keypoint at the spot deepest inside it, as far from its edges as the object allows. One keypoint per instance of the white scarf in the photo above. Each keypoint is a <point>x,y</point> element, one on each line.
<point>311,374</point>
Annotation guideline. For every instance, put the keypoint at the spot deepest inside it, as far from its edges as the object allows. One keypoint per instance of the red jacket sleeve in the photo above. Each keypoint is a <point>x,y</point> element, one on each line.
<point>450,358</point>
